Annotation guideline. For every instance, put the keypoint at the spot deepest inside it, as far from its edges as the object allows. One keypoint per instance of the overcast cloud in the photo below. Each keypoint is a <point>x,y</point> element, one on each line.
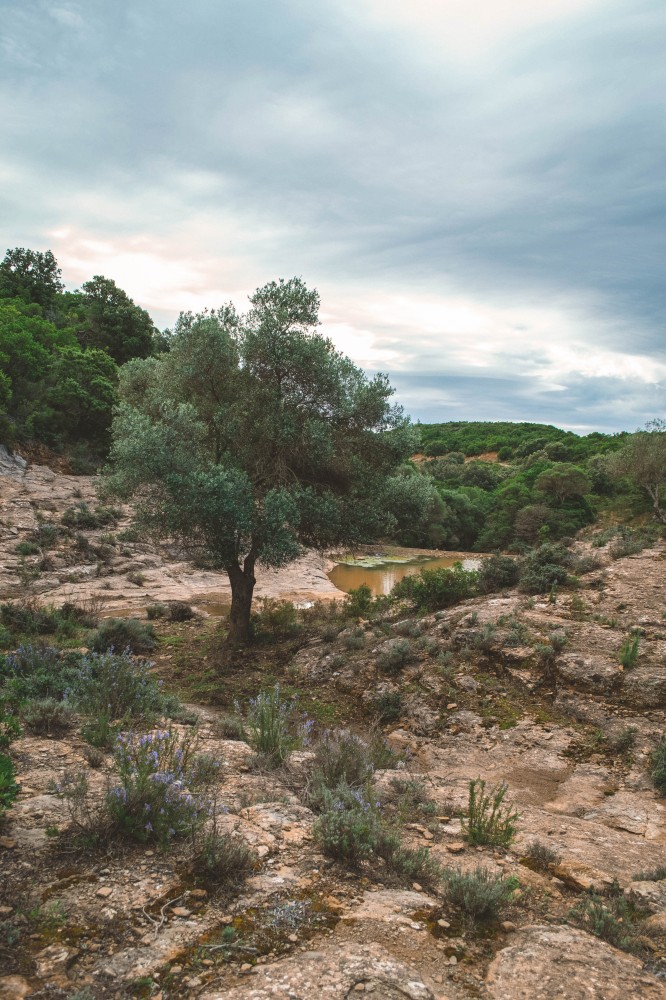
<point>476,188</point>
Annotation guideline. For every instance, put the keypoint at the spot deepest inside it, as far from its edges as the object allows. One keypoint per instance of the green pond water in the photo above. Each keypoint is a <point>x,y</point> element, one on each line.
<point>382,573</point>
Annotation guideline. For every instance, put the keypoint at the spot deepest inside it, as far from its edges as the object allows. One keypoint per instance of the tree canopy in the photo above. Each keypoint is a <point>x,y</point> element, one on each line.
<point>59,355</point>
<point>643,459</point>
<point>113,323</point>
<point>253,437</point>
<point>31,276</point>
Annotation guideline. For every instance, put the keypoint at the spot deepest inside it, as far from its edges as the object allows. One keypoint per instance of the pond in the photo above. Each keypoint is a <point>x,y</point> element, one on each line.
<point>381,573</point>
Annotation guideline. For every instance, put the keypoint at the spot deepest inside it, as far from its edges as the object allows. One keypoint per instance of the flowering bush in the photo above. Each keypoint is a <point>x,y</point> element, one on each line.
<point>35,671</point>
<point>115,687</point>
<point>350,825</point>
<point>271,725</point>
<point>158,796</point>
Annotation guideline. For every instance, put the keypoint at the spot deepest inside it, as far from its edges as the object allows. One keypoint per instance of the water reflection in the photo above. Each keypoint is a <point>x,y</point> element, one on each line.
<point>382,577</point>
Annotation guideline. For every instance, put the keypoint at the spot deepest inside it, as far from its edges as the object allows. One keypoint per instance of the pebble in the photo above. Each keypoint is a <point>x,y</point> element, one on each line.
<point>417,887</point>
<point>443,923</point>
<point>456,847</point>
<point>176,970</point>
<point>6,910</point>
<point>181,911</point>
<point>8,843</point>
<point>508,925</point>
<point>105,891</point>
<point>245,968</point>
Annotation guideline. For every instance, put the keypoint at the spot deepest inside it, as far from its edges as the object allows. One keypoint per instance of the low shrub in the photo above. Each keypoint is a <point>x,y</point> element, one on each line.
<point>479,894</point>
<point>586,563</point>
<point>137,578</point>
<point>10,727</point>
<point>9,789</point>
<point>497,573</point>
<point>488,820</point>
<point>609,918</point>
<point>154,611</point>
<point>47,717</point>
<point>355,640</point>
<point>544,568</point>
<point>229,727</point>
<point>388,706</point>
<point>394,658</point>
<point>26,617</point>
<point>340,757</point>
<point>160,791</point>
<point>558,639</point>
<point>46,535</point>
<point>629,651</point>
<point>358,602</point>
<point>83,517</point>
<point>627,543</point>
<point>409,628</point>
<point>122,633</point>
<point>129,535</point>
<point>271,725</point>
<point>35,672</point>
<point>414,865</point>
<point>437,588</point>
<point>156,797</point>
<point>658,767</point>
<point>410,799</point>
<point>180,611</point>
<point>349,827</point>
<point>26,548</point>
<point>651,875</point>
<point>114,689</point>
<point>223,859</point>
<point>276,618</point>
<point>541,855</point>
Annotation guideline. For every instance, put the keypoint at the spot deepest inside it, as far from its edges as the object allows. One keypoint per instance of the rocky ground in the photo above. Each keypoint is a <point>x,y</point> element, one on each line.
<point>474,694</point>
<point>111,566</point>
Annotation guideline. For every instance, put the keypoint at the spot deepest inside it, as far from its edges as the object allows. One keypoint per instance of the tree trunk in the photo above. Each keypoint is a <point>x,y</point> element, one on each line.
<point>653,492</point>
<point>242,587</point>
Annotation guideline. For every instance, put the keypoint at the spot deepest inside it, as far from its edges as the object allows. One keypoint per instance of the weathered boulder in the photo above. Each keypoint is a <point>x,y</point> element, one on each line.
<point>562,963</point>
<point>334,974</point>
<point>588,673</point>
<point>645,687</point>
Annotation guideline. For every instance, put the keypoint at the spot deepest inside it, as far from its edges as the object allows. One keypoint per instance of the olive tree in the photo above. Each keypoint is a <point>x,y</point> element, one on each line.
<point>643,459</point>
<point>253,438</point>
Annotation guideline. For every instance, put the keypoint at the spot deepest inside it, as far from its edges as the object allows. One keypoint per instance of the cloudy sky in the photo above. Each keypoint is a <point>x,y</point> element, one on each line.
<point>476,187</point>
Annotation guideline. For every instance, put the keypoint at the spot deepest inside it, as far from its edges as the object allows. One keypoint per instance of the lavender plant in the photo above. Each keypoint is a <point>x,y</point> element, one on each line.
<point>350,825</point>
<point>271,725</point>
<point>158,796</point>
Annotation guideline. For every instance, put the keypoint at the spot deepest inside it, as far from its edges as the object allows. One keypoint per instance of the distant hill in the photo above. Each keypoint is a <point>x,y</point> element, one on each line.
<point>511,440</point>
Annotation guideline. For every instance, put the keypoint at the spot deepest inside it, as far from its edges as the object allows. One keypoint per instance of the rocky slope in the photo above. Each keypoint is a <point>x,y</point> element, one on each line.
<point>474,693</point>
<point>109,564</point>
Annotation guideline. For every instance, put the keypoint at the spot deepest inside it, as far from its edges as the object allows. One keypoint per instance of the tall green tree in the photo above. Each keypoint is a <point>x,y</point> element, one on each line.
<point>643,460</point>
<point>110,320</point>
<point>253,437</point>
<point>31,276</point>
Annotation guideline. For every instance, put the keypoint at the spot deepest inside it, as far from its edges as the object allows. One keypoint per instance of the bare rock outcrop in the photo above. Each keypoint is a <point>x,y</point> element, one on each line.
<point>561,963</point>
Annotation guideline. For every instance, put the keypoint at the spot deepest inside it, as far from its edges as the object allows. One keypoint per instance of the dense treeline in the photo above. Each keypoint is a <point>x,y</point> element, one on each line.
<point>485,486</point>
<point>535,483</point>
<point>60,353</point>
<point>514,440</point>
